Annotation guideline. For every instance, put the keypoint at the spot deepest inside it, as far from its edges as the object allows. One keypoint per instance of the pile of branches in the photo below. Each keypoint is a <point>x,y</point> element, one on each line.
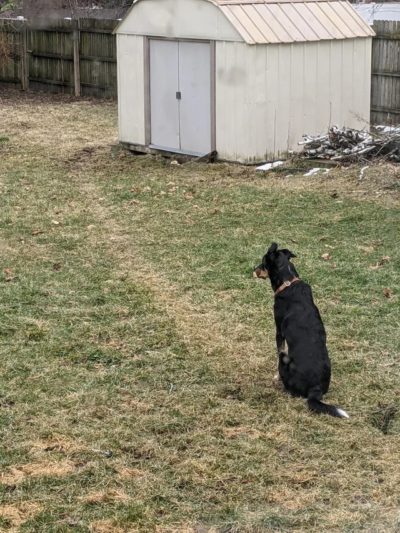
<point>348,145</point>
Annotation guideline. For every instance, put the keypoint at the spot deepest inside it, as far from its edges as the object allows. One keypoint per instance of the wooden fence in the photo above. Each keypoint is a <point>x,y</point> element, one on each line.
<point>70,56</point>
<point>385,84</point>
<point>79,57</point>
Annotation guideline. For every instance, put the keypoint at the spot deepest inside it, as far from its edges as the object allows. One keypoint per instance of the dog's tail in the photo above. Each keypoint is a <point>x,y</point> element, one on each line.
<point>315,404</point>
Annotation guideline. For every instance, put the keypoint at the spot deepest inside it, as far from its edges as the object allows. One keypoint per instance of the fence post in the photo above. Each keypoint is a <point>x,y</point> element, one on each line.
<point>77,70</point>
<point>24,59</point>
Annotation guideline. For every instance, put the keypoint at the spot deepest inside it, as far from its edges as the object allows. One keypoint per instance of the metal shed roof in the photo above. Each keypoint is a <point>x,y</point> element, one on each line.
<point>287,21</point>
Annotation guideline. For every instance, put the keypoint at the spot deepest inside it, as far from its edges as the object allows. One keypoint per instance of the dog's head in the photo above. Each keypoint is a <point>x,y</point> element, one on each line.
<point>274,263</point>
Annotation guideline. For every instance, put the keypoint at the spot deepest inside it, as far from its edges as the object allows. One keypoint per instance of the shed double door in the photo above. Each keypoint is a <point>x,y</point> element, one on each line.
<point>180,96</point>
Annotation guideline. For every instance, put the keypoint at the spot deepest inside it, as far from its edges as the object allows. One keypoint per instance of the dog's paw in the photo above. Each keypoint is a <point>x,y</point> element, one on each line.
<point>277,382</point>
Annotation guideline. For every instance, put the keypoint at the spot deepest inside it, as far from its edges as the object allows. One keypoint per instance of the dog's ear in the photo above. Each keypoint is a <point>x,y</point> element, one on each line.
<point>273,248</point>
<point>288,253</point>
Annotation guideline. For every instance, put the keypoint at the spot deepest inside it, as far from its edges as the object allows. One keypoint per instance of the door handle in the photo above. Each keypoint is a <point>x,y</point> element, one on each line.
<point>178,95</point>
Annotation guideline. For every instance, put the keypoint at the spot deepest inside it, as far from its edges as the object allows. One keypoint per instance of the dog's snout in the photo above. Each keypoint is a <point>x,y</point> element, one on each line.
<point>260,272</point>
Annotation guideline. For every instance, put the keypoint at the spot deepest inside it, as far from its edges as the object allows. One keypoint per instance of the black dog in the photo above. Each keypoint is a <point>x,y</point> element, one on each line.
<point>305,368</point>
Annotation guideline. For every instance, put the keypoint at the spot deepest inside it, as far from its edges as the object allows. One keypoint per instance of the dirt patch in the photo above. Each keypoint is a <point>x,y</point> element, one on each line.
<point>87,155</point>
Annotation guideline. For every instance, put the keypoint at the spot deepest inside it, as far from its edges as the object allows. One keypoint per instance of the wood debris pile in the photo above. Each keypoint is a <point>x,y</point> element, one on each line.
<point>348,145</point>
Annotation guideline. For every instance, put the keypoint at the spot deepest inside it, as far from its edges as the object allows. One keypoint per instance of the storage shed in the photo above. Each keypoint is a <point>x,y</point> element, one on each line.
<point>244,78</point>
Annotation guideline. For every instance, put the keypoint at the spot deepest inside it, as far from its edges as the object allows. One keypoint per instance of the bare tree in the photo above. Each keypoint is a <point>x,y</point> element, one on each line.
<point>36,8</point>
<point>72,8</point>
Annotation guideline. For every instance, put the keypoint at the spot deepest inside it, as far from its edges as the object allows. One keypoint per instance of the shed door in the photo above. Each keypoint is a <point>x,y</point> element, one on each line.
<point>180,96</point>
<point>163,87</point>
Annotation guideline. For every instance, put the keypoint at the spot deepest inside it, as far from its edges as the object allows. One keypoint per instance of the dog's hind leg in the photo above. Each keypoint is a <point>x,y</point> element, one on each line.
<point>280,348</point>
<point>280,342</point>
<point>281,378</point>
<point>277,382</point>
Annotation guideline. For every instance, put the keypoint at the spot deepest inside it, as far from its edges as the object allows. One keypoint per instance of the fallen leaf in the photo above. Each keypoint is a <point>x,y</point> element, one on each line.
<point>366,249</point>
<point>37,232</point>
<point>387,293</point>
<point>380,263</point>
<point>326,257</point>
<point>375,267</point>
<point>8,275</point>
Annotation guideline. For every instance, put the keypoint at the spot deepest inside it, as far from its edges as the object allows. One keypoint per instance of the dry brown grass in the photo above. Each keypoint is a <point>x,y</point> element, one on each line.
<point>107,526</point>
<point>106,496</point>
<point>17,514</point>
<point>380,183</point>
<point>19,473</point>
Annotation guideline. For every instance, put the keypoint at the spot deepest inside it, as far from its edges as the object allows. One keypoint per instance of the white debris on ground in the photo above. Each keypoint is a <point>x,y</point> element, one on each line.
<point>269,166</point>
<point>349,145</point>
<point>315,170</point>
<point>388,129</point>
<point>360,177</point>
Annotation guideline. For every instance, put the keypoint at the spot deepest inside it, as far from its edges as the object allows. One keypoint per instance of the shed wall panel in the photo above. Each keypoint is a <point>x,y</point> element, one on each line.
<point>323,102</point>
<point>279,92</point>
<point>284,121</point>
<point>131,89</point>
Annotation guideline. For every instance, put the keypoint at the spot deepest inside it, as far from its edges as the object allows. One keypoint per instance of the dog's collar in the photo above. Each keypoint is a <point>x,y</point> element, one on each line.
<point>285,285</point>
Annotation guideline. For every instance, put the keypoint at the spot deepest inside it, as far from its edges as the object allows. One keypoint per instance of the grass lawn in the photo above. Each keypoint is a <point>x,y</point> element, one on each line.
<point>137,352</point>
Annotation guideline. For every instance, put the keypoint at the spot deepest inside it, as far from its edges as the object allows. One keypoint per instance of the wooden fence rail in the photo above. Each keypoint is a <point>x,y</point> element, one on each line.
<point>70,56</point>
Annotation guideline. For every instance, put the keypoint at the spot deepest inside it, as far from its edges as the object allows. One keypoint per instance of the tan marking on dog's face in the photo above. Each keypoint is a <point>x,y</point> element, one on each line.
<point>260,273</point>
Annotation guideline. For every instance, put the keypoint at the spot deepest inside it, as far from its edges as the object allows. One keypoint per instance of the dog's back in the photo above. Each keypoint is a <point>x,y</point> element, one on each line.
<point>306,364</point>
